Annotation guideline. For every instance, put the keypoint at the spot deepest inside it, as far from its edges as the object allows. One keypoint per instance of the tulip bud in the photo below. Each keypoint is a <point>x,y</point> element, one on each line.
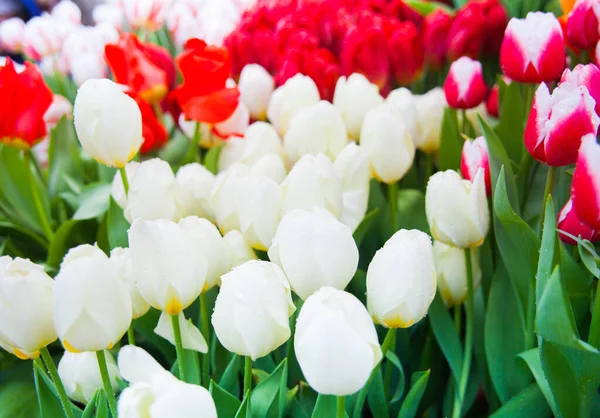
<point>314,249</point>
<point>403,104</point>
<point>117,191</point>
<point>464,87</point>
<point>256,87</point>
<point>149,15</point>
<point>335,342</point>
<point>557,122</point>
<point>435,37</point>
<point>25,307</point>
<point>588,76</point>
<point>271,166</point>
<point>168,267</point>
<point>533,49</point>
<point>224,196</point>
<point>354,97</point>
<point>239,250</point>
<point>87,66</point>
<point>121,259</point>
<point>108,122</point>
<point>260,139</point>
<point>401,280</point>
<point>107,13</point>
<point>466,36</point>
<point>313,181</point>
<point>430,113</point>
<point>569,223</point>
<point>194,184</point>
<point>297,93</point>
<point>191,337</point>
<point>353,167</point>
<point>316,129</point>
<point>475,156</point>
<point>44,36</point>
<point>91,306</point>
<point>582,24</point>
<point>234,125</point>
<point>252,309</point>
<point>67,12</point>
<point>81,377</point>
<point>60,107</point>
<point>492,103</point>
<point>586,182</point>
<point>12,32</point>
<point>387,142</point>
<point>451,271</point>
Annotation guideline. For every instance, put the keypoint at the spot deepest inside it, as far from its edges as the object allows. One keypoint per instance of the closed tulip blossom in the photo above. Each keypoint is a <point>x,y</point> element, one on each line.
<point>149,15</point>
<point>225,196</point>
<point>239,249</point>
<point>354,169</point>
<point>194,183</point>
<point>582,24</point>
<point>451,272</point>
<point>403,104</point>
<point>44,36</point>
<point>585,75</point>
<point>121,259</point>
<point>464,87</point>
<point>586,183</point>
<point>117,191</point>
<point>558,121</point>
<point>80,374</point>
<point>260,139</point>
<point>474,156</point>
<point>435,37</point>
<point>256,87</point>
<point>401,280</point>
<point>12,32</point>
<point>569,225</point>
<point>430,113</point>
<point>335,342</point>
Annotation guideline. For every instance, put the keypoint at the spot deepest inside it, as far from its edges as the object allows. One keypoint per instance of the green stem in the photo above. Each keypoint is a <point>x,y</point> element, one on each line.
<point>110,395</point>
<point>206,333</point>
<point>389,343</point>
<point>130,336</point>
<point>466,366</point>
<point>248,380</point>
<point>457,315</point>
<point>341,409</point>
<point>124,179</point>
<point>36,198</point>
<point>393,198</point>
<point>60,388</point>
<point>550,178</point>
<point>530,331</point>
<point>463,128</point>
<point>594,336</point>
<point>178,346</point>
<point>529,94</point>
<point>428,167</point>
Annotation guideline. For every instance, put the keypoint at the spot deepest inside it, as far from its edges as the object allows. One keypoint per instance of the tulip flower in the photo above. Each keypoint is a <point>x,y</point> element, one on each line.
<point>406,51</point>
<point>533,49</point>
<point>582,24</point>
<point>25,308</point>
<point>25,100</point>
<point>354,169</point>
<point>588,76</point>
<point>149,15</point>
<point>355,96</point>
<point>259,140</point>
<point>557,122</point>
<point>121,259</point>
<point>252,309</point>
<point>492,103</point>
<point>456,209</point>
<point>473,157</point>
<point>586,183</point>
<point>435,37</point>
<point>191,337</point>
<point>44,36</point>
<point>67,12</point>
<point>287,100</point>
<point>154,133</point>
<point>12,32</point>
<point>387,141</point>
<point>464,87</point>
<point>569,223</point>
<point>91,306</point>
<point>83,67</point>
<point>256,87</point>
<point>225,195</point>
<point>316,129</point>
<point>80,374</point>
<point>467,32</point>
<point>194,183</point>
<point>314,249</point>
<point>430,113</point>
<point>235,125</point>
<point>110,14</point>
<point>364,50</point>
<point>335,342</point>
<point>239,250</point>
<point>401,280</point>
<point>403,105</point>
<point>451,271</point>
<point>271,166</point>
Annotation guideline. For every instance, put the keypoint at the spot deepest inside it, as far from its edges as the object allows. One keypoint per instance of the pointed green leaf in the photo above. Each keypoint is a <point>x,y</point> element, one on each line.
<point>264,398</point>
<point>451,142</point>
<point>227,404</point>
<point>529,403</point>
<point>376,396</point>
<point>446,335</point>
<point>93,201</point>
<point>546,261</point>
<point>18,399</point>
<point>411,402</point>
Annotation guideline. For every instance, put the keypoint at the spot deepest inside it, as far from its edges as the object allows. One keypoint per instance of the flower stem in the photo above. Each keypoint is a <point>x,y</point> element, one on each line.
<point>62,393</point>
<point>464,375</point>
<point>550,177</point>
<point>110,395</point>
<point>36,198</point>
<point>248,380</point>
<point>178,346</point>
<point>594,337</point>
<point>393,198</point>
<point>124,179</point>
<point>389,343</point>
<point>463,128</point>
<point>130,336</point>
<point>341,409</point>
<point>457,317</point>
<point>206,333</point>
<point>428,167</point>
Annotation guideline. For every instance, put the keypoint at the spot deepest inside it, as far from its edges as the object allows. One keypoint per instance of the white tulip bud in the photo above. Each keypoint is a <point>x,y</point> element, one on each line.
<point>231,153</point>
<point>430,113</point>
<point>260,139</point>
<point>353,167</point>
<point>91,306</point>
<point>152,192</point>
<point>44,36</point>
<point>81,377</point>
<point>108,122</point>
<point>67,12</point>
<point>403,105</point>
<point>451,271</point>
<point>457,210</point>
<point>191,337</point>
<point>168,269</point>
<point>297,93</point>
<point>401,280</point>
<point>117,190</point>
<point>121,259</point>
<point>314,249</point>
<point>25,307</point>
<point>195,183</point>
<point>12,32</point>
<point>335,342</point>
<point>89,66</point>
<point>225,194</point>
<point>110,14</point>
<point>355,96</point>
<point>313,181</point>
<point>271,166</point>
<point>239,249</point>
<point>256,86</point>
<point>252,310</point>
<point>387,142</point>
<point>316,129</point>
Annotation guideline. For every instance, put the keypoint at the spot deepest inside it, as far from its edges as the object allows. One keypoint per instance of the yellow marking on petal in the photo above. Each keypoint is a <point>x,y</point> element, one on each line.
<point>16,142</point>
<point>174,306</point>
<point>154,94</point>
<point>69,347</point>
<point>110,345</point>
<point>21,355</point>
<point>478,243</point>
<point>397,322</point>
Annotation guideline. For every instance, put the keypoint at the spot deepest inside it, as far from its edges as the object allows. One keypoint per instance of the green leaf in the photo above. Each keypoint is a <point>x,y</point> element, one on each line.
<point>364,226</point>
<point>18,400</point>
<point>90,408</point>
<point>411,402</point>
<point>176,149</point>
<point>93,201</point>
<point>393,358</point>
<point>211,162</point>
<point>529,403</point>
<point>243,411</point>
<point>48,401</point>
<point>532,359</point>
<point>510,125</point>
<point>446,335</point>
<point>425,7</point>
<point>227,404</point>
<point>546,261</point>
<point>116,226</point>
<point>64,157</point>
<point>376,396</point>
<point>411,210</point>
<point>326,406</point>
<point>264,397</point>
<point>588,255</point>
<point>70,234</point>
<point>451,141</point>
<point>230,379</point>
<point>102,410</point>
<point>577,281</point>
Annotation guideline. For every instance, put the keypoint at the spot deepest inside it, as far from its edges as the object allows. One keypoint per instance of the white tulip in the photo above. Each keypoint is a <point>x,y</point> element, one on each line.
<point>117,190</point>
<point>91,306</point>
<point>25,307</point>
<point>191,337</point>
<point>239,249</point>
<point>252,309</point>
<point>430,113</point>
<point>456,209</point>
<point>314,249</point>
<point>316,129</point>
<point>256,86</point>
<point>271,166</point>
<point>451,271</point>
<point>108,122</point>
<point>260,139</point>
<point>12,32</point>
<point>121,259</point>
<point>195,183</point>
<point>67,12</point>
<point>297,93</point>
<point>355,96</point>
<point>313,181</point>
<point>403,104</point>
<point>353,167</point>
<point>110,14</point>
<point>81,377</point>
<point>335,342</point>
<point>234,125</point>
<point>225,195</point>
<point>153,192</point>
<point>231,153</point>
<point>169,271</point>
<point>401,280</point>
<point>386,140</point>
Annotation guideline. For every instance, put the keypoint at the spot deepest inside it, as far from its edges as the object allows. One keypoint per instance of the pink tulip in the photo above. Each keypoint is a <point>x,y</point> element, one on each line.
<point>582,24</point>
<point>586,182</point>
<point>569,222</point>
<point>475,156</point>
<point>464,87</point>
<point>588,76</point>
<point>12,32</point>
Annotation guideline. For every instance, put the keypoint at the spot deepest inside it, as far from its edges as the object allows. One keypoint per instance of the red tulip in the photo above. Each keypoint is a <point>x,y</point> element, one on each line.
<point>435,38</point>
<point>492,103</point>
<point>203,96</point>
<point>496,19</point>
<point>588,76</point>
<point>147,69</point>
<point>153,131</point>
<point>582,24</point>
<point>405,49</point>
<point>24,99</point>
<point>586,182</point>
<point>467,33</point>
<point>569,222</point>
<point>464,87</point>
<point>475,156</point>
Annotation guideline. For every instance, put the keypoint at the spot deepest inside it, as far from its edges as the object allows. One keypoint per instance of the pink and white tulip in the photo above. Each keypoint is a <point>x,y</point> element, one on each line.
<point>464,87</point>
<point>146,14</point>
<point>586,182</point>
<point>558,121</point>
<point>67,12</point>
<point>109,13</point>
<point>582,24</point>
<point>569,222</point>
<point>588,76</point>
<point>533,49</point>
<point>475,156</point>
<point>44,36</point>
<point>12,32</point>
